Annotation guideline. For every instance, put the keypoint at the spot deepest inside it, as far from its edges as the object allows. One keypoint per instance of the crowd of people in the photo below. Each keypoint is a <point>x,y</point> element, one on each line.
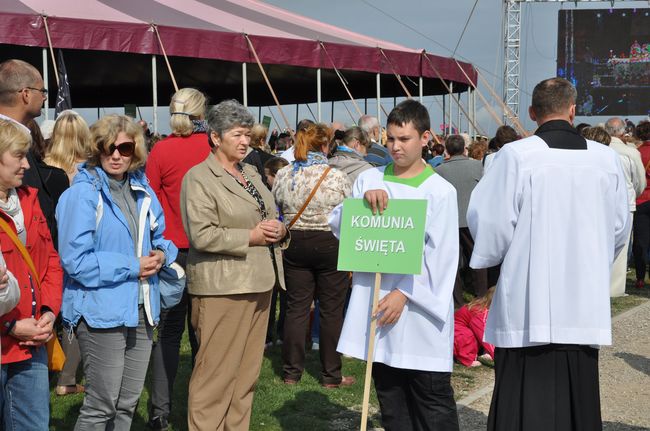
<point>527,225</point>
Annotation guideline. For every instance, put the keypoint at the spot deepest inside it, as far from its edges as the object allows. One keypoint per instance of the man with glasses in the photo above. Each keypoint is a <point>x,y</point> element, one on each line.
<point>22,95</point>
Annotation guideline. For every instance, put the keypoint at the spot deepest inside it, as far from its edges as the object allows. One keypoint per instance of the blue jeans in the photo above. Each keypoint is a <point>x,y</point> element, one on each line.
<point>25,395</point>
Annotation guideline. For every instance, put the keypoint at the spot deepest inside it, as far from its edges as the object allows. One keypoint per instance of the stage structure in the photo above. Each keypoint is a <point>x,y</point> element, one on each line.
<point>512,47</point>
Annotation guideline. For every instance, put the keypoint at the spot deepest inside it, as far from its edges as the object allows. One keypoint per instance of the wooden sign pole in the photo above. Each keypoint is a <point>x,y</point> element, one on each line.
<point>369,356</point>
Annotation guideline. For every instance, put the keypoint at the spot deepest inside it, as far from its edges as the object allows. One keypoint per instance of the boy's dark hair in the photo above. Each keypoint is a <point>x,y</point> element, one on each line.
<point>410,111</point>
<point>439,149</point>
<point>274,164</point>
<point>455,145</point>
<point>504,135</point>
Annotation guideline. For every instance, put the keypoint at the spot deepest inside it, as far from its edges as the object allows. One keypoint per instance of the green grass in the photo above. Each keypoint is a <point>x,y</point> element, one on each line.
<point>306,406</point>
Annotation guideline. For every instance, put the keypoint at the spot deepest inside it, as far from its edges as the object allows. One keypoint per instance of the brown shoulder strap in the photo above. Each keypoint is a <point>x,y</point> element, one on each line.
<point>21,247</point>
<point>311,195</point>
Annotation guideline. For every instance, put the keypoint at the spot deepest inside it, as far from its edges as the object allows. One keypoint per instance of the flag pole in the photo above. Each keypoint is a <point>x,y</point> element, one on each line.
<point>370,353</point>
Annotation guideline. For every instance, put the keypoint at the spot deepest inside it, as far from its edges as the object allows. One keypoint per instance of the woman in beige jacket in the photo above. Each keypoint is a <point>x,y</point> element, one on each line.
<point>234,262</point>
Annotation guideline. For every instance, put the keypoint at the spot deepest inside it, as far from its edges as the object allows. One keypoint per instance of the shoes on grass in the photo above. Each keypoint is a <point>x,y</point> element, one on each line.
<point>158,423</point>
<point>70,389</point>
<point>345,381</point>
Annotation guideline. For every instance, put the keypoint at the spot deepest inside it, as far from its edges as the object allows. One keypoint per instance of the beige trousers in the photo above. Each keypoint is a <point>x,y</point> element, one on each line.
<point>619,269</point>
<point>230,330</point>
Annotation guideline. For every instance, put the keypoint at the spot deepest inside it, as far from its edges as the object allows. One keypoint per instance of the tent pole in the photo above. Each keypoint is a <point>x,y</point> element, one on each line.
<point>421,88</point>
<point>379,98</point>
<point>244,83</point>
<point>319,95</point>
<point>444,115</point>
<point>474,108</point>
<point>451,105</point>
<point>458,123</point>
<point>297,113</point>
<point>46,79</point>
<point>154,82</point>
<point>470,128</point>
<point>332,118</point>
<point>259,114</point>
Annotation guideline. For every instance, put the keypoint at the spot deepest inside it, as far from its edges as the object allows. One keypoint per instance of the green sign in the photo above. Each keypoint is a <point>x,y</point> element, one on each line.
<point>266,122</point>
<point>390,243</point>
<point>130,110</point>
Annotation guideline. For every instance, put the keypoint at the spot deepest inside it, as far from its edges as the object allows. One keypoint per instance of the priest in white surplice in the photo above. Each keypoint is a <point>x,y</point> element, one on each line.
<point>553,210</point>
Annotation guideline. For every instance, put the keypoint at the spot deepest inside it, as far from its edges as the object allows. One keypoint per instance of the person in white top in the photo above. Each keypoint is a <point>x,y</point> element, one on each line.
<point>553,210</point>
<point>414,342</point>
<point>636,183</point>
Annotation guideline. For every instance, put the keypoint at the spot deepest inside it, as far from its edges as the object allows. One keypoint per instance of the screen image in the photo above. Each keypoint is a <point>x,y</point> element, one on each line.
<point>606,54</point>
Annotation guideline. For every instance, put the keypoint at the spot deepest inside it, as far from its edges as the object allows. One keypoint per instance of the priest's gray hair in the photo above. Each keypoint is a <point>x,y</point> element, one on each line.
<point>228,115</point>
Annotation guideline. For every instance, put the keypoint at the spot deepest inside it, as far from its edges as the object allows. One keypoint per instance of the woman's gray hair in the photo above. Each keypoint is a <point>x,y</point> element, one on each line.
<point>228,115</point>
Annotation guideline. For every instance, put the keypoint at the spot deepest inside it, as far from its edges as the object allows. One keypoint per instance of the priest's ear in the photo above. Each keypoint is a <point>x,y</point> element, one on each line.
<point>572,113</point>
<point>531,114</point>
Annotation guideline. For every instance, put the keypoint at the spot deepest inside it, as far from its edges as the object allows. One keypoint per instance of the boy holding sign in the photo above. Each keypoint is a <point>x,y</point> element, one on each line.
<point>414,342</point>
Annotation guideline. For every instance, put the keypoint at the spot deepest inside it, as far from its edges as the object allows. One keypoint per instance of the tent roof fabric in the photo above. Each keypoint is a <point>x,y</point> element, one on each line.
<point>197,32</point>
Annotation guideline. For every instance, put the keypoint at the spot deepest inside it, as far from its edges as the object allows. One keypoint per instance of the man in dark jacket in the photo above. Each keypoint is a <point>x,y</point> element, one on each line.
<point>463,173</point>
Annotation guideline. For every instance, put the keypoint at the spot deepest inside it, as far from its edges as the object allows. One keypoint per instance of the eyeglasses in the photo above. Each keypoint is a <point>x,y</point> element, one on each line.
<point>125,149</point>
<point>43,91</point>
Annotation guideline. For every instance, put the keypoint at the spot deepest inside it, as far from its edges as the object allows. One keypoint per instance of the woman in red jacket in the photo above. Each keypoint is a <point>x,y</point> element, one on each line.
<point>167,164</point>
<point>25,329</point>
<point>641,227</point>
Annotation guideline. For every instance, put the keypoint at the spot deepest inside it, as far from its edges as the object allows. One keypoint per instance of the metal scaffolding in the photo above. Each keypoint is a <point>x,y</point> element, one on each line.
<point>512,46</point>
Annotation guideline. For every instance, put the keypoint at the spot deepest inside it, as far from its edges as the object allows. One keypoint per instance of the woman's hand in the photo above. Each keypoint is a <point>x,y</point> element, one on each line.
<point>4,277</point>
<point>150,265</point>
<point>378,200</point>
<point>32,332</point>
<point>274,230</point>
<point>390,307</point>
<point>256,235</point>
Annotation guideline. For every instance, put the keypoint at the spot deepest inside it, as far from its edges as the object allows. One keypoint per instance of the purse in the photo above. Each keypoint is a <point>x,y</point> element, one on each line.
<point>55,355</point>
<point>171,283</point>
<point>311,195</point>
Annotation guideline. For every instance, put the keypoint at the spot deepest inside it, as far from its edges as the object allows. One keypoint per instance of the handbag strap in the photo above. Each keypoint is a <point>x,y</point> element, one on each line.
<point>21,247</point>
<point>311,195</point>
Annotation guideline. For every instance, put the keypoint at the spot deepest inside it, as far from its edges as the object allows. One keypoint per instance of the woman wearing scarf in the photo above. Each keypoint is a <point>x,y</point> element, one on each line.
<point>168,162</point>
<point>310,261</point>
<point>349,156</point>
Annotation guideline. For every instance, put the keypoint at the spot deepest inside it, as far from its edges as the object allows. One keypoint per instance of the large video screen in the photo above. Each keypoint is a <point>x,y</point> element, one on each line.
<point>606,54</point>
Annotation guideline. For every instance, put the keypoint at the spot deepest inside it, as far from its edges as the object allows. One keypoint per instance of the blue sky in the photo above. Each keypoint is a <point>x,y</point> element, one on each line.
<point>438,25</point>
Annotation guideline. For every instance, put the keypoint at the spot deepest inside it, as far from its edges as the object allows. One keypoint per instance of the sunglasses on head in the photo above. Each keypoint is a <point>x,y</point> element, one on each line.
<point>125,149</point>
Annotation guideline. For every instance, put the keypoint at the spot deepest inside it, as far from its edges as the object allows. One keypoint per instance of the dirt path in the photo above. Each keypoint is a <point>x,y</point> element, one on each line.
<point>624,379</point>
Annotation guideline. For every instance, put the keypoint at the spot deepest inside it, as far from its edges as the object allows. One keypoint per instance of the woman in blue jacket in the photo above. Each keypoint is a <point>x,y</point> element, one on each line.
<point>111,245</point>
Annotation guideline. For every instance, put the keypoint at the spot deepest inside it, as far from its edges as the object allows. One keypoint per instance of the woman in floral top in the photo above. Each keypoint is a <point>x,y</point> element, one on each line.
<point>310,261</point>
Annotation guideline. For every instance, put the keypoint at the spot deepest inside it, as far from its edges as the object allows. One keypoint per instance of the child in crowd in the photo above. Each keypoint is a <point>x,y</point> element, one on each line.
<point>413,348</point>
<point>271,168</point>
<point>469,326</point>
